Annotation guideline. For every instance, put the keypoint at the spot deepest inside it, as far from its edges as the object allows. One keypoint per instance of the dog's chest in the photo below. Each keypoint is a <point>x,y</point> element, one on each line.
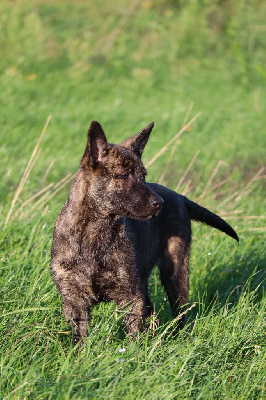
<point>106,246</point>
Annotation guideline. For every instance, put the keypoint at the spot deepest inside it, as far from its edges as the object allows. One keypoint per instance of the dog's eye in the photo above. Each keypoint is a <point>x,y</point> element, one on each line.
<point>141,177</point>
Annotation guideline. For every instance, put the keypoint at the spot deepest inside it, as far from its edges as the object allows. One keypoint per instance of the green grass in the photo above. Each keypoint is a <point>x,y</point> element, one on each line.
<point>127,64</point>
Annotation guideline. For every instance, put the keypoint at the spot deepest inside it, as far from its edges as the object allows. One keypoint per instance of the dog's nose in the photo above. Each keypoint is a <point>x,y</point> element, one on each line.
<point>156,203</point>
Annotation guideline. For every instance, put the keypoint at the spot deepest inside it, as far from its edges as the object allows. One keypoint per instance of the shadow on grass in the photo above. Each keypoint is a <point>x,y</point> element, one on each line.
<point>221,285</point>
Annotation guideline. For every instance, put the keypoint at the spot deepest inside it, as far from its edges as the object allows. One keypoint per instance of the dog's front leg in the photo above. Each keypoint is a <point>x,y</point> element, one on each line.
<point>78,318</point>
<point>135,313</point>
<point>74,284</point>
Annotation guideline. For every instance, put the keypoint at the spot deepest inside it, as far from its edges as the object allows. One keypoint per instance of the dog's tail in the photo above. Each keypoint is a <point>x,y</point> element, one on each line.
<point>201,214</point>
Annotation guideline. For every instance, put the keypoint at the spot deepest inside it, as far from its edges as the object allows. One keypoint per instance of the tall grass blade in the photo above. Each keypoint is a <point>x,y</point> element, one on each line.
<point>27,171</point>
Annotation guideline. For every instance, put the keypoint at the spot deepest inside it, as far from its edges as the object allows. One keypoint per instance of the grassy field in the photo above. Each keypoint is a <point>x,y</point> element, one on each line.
<point>198,64</point>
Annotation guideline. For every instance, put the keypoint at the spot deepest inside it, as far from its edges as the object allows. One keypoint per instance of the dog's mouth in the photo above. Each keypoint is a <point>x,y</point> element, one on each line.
<point>144,210</point>
<point>142,217</point>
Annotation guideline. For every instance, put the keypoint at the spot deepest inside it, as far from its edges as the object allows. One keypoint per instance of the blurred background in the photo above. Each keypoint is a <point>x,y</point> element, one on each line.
<point>126,64</point>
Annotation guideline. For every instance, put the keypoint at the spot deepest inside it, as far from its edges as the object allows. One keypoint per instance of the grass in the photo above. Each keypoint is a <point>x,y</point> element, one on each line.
<point>127,64</point>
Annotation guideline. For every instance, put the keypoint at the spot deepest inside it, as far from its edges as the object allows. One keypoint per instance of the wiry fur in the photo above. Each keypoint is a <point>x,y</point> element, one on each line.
<point>114,228</point>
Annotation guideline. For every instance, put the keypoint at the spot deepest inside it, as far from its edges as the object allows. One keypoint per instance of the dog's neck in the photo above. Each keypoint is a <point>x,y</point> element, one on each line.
<point>83,210</point>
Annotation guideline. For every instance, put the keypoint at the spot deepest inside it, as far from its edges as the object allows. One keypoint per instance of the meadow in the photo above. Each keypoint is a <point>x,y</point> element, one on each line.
<point>195,68</point>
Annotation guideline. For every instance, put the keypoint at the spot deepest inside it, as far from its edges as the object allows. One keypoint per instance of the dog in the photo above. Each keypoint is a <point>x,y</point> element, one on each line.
<point>114,228</point>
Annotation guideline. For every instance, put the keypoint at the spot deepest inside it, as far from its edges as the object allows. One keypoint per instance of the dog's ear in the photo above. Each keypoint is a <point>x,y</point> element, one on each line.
<point>138,141</point>
<point>97,146</point>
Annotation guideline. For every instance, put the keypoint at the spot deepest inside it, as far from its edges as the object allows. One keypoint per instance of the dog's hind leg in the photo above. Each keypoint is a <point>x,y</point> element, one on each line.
<point>174,273</point>
<point>144,288</point>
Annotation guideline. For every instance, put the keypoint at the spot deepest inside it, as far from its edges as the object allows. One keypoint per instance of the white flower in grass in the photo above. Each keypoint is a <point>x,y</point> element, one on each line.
<point>123,350</point>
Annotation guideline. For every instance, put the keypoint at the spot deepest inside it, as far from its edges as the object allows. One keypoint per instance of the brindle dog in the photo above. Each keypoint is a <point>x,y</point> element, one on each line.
<point>113,229</point>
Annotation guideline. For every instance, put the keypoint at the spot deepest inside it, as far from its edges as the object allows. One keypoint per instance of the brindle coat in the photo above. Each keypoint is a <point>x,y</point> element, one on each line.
<point>113,229</point>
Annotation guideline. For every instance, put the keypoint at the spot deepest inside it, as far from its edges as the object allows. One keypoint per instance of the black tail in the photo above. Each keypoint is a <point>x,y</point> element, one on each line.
<point>205,216</point>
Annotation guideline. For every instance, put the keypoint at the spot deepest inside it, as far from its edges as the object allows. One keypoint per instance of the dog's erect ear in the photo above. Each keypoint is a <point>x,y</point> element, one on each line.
<point>138,141</point>
<point>97,146</point>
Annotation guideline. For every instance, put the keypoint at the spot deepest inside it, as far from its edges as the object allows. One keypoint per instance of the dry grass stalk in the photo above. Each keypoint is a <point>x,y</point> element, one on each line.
<point>188,113</point>
<point>216,186</point>
<point>174,147</point>
<point>190,165</point>
<point>71,177</point>
<point>222,192</point>
<point>25,203</point>
<point>35,205</point>
<point>33,158</point>
<point>225,214</point>
<point>165,148</point>
<point>61,182</point>
<point>228,199</point>
<point>50,166</point>
<point>239,194</point>
<point>256,99</point>
<point>186,189</point>
<point>42,203</point>
<point>167,164</point>
<point>262,229</point>
<point>214,173</point>
<point>246,190</point>
<point>21,185</point>
<point>246,217</point>
<point>46,210</point>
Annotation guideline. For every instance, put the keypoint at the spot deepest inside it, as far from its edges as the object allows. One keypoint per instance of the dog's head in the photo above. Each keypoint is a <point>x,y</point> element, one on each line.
<point>117,176</point>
